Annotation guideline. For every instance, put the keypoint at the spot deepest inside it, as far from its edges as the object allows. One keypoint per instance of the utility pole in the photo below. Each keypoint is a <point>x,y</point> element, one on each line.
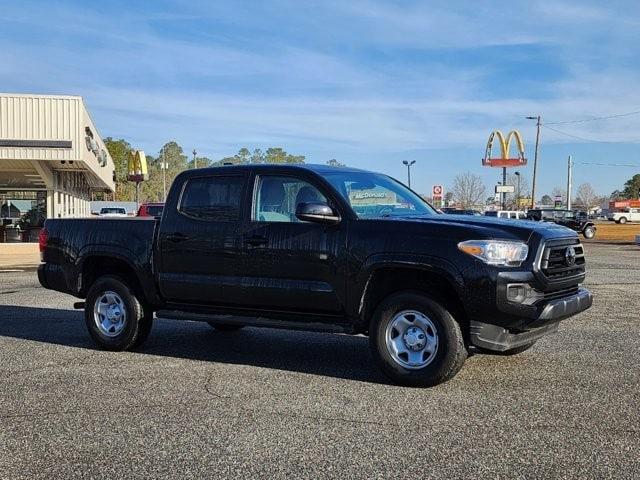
<point>195,161</point>
<point>408,164</point>
<point>163,165</point>
<point>504,182</point>
<point>569,164</point>
<point>535,159</point>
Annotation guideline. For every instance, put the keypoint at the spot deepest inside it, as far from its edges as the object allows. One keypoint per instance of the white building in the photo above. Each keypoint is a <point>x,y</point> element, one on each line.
<point>51,159</point>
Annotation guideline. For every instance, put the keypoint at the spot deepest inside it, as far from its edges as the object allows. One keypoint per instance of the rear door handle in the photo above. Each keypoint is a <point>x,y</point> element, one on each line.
<point>256,240</point>
<point>177,237</point>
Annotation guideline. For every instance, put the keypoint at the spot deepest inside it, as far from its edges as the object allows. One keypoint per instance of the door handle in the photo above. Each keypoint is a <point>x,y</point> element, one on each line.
<point>177,237</point>
<point>255,240</point>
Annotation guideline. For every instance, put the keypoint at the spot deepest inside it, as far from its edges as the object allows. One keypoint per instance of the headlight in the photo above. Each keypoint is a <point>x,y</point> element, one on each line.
<point>496,252</point>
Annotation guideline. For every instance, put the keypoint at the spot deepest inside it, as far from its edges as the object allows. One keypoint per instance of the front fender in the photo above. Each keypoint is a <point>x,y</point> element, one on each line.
<point>376,262</point>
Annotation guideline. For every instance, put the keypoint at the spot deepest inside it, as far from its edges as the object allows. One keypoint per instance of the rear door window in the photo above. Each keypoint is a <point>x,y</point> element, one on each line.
<point>213,198</point>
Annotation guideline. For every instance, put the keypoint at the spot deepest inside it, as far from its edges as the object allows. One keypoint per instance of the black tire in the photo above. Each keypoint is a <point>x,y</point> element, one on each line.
<point>507,353</point>
<point>622,220</point>
<point>589,232</point>
<point>146,323</point>
<point>449,356</point>
<point>223,327</point>
<point>138,321</point>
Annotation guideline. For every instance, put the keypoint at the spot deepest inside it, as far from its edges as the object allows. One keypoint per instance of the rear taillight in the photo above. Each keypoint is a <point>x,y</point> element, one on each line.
<point>43,238</point>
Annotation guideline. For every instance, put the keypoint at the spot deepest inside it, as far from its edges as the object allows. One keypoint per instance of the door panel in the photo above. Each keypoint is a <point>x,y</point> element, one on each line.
<point>200,242</point>
<point>289,264</point>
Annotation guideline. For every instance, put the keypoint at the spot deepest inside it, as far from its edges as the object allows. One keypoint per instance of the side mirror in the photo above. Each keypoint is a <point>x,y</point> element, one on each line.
<point>317,212</point>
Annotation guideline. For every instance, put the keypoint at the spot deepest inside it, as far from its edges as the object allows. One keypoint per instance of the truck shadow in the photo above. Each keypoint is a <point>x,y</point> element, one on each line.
<point>330,355</point>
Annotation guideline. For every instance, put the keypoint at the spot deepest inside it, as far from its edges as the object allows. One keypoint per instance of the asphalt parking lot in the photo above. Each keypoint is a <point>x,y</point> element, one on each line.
<point>197,403</point>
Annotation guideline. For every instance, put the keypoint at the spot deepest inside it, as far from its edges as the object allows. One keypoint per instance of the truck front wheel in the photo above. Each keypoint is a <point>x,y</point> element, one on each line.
<point>415,341</point>
<point>622,220</point>
<point>114,315</point>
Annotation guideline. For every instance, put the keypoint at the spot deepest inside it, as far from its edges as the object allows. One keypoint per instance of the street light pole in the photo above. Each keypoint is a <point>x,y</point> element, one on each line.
<point>535,160</point>
<point>408,164</point>
<point>518,193</point>
<point>569,164</point>
<point>195,162</point>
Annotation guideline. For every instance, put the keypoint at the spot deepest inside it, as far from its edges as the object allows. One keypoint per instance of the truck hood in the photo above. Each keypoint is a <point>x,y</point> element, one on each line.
<point>493,228</point>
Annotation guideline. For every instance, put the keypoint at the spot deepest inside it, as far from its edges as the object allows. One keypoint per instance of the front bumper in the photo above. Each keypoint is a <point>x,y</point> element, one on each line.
<point>548,316</point>
<point>565,307</point>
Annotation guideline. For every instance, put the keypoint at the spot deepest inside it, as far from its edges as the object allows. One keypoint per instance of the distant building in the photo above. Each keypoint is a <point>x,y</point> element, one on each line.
<point>51,159</point>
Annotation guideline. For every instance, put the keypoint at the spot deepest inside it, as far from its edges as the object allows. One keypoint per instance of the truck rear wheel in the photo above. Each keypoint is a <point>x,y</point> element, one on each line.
<point>589,232</point>
<point>415,341</point>
<point>114,315</point>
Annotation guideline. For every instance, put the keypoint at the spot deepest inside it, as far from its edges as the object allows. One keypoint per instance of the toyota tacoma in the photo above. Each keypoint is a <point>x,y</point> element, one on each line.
<point>321,248</point>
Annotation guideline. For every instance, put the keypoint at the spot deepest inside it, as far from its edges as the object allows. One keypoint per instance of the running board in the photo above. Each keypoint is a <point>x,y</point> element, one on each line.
<point>253,321</point>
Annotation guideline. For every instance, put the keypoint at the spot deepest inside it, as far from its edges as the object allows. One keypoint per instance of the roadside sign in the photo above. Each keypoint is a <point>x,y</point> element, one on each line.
<point>557,201</point>
<point>437,191</point>
<point>505,189</point>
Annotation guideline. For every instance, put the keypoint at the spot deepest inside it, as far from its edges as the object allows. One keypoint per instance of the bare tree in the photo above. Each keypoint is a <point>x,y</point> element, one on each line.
<point>587,196</point>
<point>525,191</point>
<point>468,190</point>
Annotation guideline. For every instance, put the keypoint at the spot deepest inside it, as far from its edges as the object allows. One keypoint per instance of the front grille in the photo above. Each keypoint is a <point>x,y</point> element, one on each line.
<point>555,294</point>
<point>557,263</point>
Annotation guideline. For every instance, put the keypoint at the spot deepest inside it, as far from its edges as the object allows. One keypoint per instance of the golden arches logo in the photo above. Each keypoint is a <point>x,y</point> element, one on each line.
<point>505,146</point>
<point>137,167</point>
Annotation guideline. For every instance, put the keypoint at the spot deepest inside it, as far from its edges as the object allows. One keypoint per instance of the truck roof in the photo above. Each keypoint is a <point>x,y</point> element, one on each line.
<point>317,168</point>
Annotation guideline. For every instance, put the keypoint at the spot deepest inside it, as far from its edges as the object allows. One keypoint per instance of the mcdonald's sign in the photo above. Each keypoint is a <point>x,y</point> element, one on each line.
<point>138,166</point>
<point>505,145</point>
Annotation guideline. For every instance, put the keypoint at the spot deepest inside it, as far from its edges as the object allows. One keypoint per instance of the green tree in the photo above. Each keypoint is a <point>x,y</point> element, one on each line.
<point>272,155</point>
<point>279,155</point>
<point>546,200</point>
<point>119,151</point>
<point>243,155</point>
<point>257,156</point>
<point>335,163</point>
<point>632,187</point>
<point>201,162</point>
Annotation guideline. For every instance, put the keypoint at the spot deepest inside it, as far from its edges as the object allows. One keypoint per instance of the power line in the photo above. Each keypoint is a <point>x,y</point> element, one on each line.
<point>635,165</point>
<point>593,119</point>
<point>578,137</point>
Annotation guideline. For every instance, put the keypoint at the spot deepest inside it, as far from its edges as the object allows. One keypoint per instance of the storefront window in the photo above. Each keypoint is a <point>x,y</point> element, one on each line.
<point>22,214</point>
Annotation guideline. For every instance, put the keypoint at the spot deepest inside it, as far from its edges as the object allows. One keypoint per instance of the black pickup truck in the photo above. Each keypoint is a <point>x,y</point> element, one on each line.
<point>323,249</point>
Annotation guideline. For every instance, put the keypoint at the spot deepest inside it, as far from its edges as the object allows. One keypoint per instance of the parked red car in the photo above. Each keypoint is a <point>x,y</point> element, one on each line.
<point>150,209</point>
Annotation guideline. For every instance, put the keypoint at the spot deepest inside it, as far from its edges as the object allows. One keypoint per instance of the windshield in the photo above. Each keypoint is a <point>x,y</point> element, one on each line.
<point>120,211</point>
<point>375,195</point>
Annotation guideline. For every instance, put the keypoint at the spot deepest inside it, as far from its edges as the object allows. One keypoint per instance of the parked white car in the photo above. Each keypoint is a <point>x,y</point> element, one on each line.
<point>112,212</point>
<point>629,215</point>
<point>513,214</point>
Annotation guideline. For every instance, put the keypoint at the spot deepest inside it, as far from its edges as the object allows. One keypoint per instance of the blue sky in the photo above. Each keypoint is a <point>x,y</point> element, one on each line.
<point>369,83</point>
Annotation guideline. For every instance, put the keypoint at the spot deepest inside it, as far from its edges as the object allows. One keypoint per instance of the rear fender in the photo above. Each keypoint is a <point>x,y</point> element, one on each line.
<point>139,266</point>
